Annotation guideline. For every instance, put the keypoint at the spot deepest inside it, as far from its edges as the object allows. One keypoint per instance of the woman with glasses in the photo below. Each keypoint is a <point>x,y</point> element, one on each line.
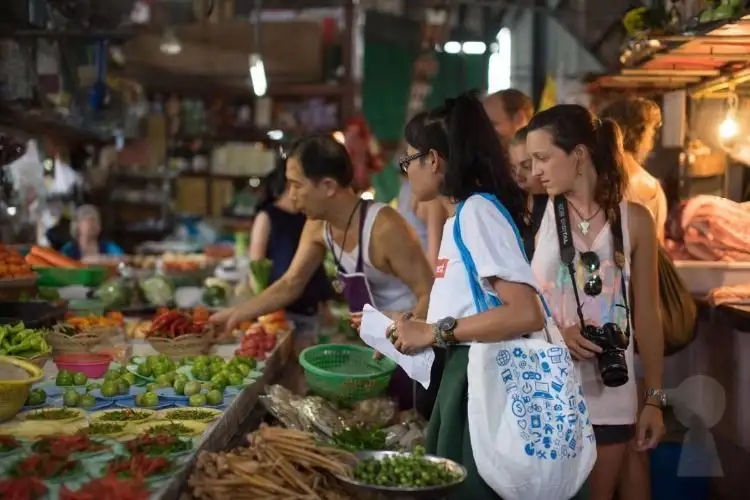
<point>426,219</point>
<point>454,156</point>
<point>594,249</point>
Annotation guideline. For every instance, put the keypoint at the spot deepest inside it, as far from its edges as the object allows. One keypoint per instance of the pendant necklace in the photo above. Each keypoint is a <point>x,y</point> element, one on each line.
<point>584,223</point>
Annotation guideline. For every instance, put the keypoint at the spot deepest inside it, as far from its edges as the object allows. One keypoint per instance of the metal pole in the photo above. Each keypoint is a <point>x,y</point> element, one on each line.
<point>538,50</point>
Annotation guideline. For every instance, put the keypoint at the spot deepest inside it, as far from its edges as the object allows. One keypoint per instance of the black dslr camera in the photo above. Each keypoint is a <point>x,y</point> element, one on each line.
<point>611,362</point>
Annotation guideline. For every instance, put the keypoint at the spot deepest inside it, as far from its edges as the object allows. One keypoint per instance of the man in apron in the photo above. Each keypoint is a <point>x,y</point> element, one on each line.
<point>379,258</point>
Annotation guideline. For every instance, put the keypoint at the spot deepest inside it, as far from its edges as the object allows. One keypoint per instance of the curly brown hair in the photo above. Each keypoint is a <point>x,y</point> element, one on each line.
<point>635,116</point>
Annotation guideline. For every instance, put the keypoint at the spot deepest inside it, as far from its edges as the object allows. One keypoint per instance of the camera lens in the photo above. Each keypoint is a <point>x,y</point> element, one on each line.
<point>613,368</point>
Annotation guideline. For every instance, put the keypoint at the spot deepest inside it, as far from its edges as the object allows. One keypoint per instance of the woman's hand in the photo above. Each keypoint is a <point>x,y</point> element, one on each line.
<point>409,336</point>
<point>227,320</point>
<point>580,348</point>
<point>650,428</point>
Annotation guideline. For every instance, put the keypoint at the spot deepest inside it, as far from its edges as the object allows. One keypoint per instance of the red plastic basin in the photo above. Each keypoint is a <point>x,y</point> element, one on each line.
<point>93,365</point>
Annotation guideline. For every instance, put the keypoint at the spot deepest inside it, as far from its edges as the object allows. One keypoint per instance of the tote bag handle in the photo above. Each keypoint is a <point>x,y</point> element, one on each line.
<point>482,299</point>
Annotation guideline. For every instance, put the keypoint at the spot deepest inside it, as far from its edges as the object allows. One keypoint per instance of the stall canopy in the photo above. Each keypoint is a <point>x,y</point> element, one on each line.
<point>704,62</point>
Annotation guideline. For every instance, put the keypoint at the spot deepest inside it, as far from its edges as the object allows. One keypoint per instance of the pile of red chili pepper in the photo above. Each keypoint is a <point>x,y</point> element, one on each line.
<point>23,488</point>
<point>109,487</point>
<point>63,446</point>
<point>139,466</point>
<point>159,444</point>
<point>44,466</point>
<point>173,324</point>
<point>8,443</point>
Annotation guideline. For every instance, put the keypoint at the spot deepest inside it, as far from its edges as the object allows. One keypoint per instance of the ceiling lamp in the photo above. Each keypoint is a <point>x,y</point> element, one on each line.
<point>170,44</point>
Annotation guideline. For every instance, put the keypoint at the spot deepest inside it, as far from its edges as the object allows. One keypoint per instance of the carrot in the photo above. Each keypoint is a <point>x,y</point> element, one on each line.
<point>55,259</point>
<point>35,260</point>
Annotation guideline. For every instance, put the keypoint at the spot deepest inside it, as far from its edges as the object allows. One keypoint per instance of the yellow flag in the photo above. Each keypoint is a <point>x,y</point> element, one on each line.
<point>549,94</point>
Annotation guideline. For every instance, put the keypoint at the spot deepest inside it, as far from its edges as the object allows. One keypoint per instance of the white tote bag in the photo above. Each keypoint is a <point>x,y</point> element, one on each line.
<point>529,424</point>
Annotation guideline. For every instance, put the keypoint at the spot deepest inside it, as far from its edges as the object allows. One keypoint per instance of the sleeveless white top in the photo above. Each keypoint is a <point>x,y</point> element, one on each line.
<point>388,292</point>
<point>607,405</point>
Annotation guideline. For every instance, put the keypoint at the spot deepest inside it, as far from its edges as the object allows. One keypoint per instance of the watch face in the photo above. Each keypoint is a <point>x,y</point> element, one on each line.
<point>447,324</point>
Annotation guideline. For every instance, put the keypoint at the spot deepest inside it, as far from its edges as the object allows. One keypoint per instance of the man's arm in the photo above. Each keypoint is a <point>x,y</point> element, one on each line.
<point>433,215</point>
<point>309,256</point>
<point>398,249</point>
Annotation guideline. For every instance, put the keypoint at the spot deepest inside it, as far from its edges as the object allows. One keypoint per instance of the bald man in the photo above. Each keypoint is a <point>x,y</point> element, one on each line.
<point>510,110</point>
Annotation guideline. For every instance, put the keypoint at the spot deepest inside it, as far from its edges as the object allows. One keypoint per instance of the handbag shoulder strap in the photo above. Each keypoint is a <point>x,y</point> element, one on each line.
<point>480,296</point>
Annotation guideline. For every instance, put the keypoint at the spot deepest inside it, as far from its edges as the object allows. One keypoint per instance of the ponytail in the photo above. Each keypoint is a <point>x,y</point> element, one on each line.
<point>477,161</point>
<point>609,162</point>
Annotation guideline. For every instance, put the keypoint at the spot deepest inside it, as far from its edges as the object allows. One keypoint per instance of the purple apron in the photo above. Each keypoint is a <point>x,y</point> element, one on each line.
<point>356,291</point>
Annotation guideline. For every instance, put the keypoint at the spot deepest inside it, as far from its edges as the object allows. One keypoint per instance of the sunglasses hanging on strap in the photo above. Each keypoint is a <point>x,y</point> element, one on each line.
<point>609,336</point>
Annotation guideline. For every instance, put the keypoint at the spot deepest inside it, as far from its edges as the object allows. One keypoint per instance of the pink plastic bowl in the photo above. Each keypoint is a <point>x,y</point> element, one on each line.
<point>93,365</point>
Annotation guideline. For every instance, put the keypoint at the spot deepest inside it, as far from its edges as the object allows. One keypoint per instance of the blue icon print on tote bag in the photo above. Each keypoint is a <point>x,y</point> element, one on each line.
<point>548,413</point>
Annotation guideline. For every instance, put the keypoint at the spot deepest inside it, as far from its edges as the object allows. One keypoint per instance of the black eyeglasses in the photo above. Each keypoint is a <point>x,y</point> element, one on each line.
<point>593,285</point>
<point>404,161</point>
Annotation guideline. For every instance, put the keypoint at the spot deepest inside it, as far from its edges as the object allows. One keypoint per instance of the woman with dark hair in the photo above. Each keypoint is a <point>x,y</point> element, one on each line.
<point>275,235</point>
<point>454,155</point>
<point>536,196</point>
<point>593,249</point>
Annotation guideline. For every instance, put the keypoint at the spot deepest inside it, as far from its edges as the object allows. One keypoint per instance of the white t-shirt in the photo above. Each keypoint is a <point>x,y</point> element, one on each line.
<point>493,245</point>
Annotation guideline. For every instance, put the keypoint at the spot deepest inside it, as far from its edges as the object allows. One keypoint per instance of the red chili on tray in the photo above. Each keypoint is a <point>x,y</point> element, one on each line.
<point>173,324</point>
<point>23,488</point>
<point>44,466</point>
<point>110,488</point>
<point>64,446</point>
<point>139,466</point>
<point>8,443</point>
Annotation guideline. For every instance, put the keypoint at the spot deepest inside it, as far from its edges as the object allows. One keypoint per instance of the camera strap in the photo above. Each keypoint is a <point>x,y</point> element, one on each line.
<point>568,253</point>
<point>619,258</point>
<point>567,250</point>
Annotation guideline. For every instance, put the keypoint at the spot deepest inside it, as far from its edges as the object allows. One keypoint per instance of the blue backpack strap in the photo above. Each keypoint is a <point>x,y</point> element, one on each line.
<point>479,294</point>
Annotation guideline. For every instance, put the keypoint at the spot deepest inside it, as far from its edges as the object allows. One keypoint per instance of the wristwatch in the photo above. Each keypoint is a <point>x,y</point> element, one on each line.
<point>657,394</point>
<point>444,329</point>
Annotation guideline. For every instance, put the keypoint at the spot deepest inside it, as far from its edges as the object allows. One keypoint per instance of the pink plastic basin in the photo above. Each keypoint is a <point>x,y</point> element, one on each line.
<point>93,365</point>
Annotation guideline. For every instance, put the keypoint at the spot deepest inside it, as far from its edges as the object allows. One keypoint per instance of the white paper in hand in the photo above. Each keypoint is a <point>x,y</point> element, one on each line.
<point>373,333</point>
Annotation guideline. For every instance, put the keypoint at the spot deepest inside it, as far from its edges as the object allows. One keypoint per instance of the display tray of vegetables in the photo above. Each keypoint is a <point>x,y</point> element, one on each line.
<point>176,429</point>
<point>27,343</point>
<point>51,468</point>
<point>150,468</point>
<point>395,472</point>
<point>107,430</point>
<point>109,487</point>
<point>137,416</point>
<point>78,446</point>
<point>158,445</point>
<point>113,319</point>
<point>203,415</point>
<point>174,324</point>
<point>52,415</point>
<point>9,445</point>
<point>23,488</point>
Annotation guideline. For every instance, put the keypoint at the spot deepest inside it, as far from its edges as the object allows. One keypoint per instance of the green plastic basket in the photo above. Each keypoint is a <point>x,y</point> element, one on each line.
<point>345,373</point>
<point>60,276</point>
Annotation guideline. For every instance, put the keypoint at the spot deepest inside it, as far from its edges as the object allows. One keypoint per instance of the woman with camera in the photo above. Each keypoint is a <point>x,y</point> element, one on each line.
<point>594,249</point>
<point>455,156</point>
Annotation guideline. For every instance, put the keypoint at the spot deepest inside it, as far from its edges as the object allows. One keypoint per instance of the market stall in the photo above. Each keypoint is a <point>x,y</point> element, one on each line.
<point>698,69</point>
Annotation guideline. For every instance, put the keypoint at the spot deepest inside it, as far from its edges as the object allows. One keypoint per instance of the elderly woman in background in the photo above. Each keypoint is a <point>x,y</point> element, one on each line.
<point>86,229</point>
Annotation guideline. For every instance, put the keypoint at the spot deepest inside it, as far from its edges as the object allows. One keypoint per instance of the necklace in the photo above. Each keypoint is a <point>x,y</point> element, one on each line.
<point>584,223</point>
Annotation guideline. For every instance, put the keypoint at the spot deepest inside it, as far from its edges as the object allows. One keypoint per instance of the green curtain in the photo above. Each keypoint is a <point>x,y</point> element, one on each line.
<point>385,91</point>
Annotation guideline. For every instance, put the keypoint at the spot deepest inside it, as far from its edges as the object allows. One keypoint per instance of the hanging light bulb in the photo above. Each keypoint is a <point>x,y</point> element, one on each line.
<point>729,127</point>
<point>258,75</point>
<point>170,44</point>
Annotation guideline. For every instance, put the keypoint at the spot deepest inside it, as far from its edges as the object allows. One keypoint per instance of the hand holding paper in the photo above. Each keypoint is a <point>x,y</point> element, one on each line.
<point>373,333</point>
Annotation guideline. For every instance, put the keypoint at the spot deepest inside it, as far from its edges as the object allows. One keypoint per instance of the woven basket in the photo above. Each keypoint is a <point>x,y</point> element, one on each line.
<point>80,342</point>
<point>185,345</point>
